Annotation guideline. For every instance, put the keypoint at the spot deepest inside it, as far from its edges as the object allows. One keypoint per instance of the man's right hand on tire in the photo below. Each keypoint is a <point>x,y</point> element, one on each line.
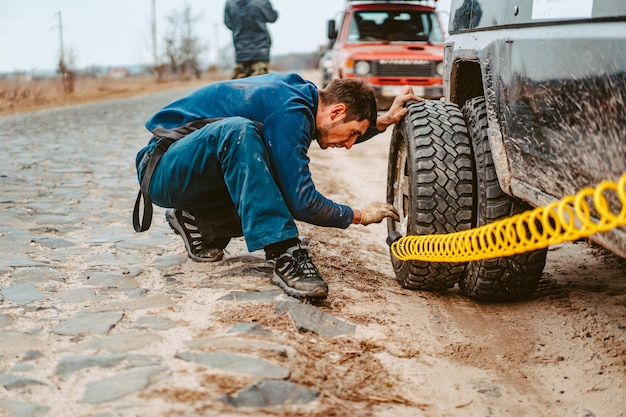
<point>376,212</point>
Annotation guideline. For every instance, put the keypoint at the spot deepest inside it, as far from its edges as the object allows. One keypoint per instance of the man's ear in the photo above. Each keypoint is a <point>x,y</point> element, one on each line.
<point>337,110</point>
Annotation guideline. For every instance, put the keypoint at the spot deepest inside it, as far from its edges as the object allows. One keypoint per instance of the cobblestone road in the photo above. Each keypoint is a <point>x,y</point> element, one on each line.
<point>89,319</point>
<point>99,321</point>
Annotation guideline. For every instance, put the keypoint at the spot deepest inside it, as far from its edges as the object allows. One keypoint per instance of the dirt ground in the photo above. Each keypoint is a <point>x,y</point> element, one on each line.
<point>18,96</point>
<point>560,353</point>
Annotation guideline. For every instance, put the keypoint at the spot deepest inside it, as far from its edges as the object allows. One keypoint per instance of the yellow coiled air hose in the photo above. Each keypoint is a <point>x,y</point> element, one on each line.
<point>566,220</point>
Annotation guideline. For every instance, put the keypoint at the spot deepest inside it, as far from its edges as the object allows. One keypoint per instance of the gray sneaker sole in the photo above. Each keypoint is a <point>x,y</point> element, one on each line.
<point>317,294</point>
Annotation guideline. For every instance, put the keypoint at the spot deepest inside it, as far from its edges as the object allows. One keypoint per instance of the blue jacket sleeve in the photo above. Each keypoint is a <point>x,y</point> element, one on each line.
<point>288,137</point>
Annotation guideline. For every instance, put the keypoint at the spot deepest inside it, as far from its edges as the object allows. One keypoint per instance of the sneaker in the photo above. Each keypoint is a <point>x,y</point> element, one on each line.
<point>295,273</point>
<point>184,224</point>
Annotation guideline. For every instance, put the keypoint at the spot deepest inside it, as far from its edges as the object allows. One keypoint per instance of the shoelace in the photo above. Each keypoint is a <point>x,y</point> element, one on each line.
<point>303,262</point>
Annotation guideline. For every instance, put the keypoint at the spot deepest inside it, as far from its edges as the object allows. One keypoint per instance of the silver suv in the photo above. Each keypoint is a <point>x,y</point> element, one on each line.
<point>535,94</point>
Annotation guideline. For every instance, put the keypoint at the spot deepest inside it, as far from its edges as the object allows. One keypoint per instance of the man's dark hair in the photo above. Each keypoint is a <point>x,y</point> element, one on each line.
<point>358,97</point>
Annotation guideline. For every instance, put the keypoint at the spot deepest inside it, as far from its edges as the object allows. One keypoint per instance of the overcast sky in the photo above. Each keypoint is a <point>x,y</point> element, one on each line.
<point>117,32</point>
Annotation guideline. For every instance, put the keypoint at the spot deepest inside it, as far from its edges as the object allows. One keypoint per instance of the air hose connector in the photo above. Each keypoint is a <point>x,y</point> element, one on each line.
<point>393,237</point>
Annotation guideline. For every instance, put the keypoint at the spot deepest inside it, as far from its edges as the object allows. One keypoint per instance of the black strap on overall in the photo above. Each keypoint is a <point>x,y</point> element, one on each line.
<point>163,143</point>
<point>161,147</point>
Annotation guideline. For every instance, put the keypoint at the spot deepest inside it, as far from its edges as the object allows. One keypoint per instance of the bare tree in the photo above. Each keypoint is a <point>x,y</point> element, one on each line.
<point>182,47</point>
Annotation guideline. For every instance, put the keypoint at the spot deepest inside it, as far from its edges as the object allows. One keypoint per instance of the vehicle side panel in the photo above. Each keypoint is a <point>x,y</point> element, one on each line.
<point>480,14</point>
<point>556,95</point>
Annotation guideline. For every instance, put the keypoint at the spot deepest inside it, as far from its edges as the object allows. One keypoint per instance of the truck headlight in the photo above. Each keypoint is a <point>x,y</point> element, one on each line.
<point>362,68</point>
<point>439,68</point>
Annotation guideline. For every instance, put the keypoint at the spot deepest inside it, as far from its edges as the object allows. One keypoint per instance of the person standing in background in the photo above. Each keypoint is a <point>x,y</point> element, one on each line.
<point>248,19</point>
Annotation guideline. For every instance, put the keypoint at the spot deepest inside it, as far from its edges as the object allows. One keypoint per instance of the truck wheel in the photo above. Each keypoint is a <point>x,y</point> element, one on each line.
<point>501,279</point>
<point>430,182</point>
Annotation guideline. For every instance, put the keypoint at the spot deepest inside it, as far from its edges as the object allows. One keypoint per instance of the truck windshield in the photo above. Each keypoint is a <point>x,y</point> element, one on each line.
<point>394,26</point>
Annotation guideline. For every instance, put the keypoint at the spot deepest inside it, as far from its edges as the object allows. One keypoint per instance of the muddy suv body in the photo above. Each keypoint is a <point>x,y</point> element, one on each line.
<point>389,45</point>
<point>535,94</point>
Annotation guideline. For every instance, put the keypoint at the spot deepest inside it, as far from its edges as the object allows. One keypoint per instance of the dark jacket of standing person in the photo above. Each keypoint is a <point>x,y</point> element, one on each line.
<point>247,20</point>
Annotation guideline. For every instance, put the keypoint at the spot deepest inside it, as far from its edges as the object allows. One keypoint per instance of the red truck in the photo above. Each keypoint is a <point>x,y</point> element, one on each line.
<point>389,44</point>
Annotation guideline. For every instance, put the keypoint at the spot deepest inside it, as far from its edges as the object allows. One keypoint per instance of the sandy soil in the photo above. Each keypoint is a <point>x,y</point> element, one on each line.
<point>20,96</point>
<point>560,353</point>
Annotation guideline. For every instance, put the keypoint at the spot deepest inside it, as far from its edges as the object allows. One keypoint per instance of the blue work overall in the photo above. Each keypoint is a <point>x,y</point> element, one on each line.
<point>225,167</point>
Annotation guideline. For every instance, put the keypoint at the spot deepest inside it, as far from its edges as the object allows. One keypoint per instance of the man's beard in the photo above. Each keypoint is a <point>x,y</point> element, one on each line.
<point>322,133</point>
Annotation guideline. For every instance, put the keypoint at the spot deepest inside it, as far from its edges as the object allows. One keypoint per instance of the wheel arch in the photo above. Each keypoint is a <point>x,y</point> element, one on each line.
<point>466,81</point>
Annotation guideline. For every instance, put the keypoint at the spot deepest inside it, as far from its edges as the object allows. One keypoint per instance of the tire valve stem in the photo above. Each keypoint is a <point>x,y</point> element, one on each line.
<point>393,237</point>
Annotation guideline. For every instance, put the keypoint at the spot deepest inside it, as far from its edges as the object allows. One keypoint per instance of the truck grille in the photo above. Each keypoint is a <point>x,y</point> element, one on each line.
<point>403,69</point>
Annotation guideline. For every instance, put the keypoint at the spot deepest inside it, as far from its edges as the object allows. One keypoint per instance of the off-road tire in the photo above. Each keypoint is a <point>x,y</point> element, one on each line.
<point>501,279</point>
<point>429,181</point>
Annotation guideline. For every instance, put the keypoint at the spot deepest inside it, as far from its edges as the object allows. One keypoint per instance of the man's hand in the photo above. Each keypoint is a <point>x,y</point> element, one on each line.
<point>376,212</point>
<point>397,110</point>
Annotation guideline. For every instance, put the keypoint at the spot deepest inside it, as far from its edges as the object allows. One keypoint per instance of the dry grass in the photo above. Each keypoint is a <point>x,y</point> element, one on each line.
<point>17,95</point>
<point>344,370</point>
